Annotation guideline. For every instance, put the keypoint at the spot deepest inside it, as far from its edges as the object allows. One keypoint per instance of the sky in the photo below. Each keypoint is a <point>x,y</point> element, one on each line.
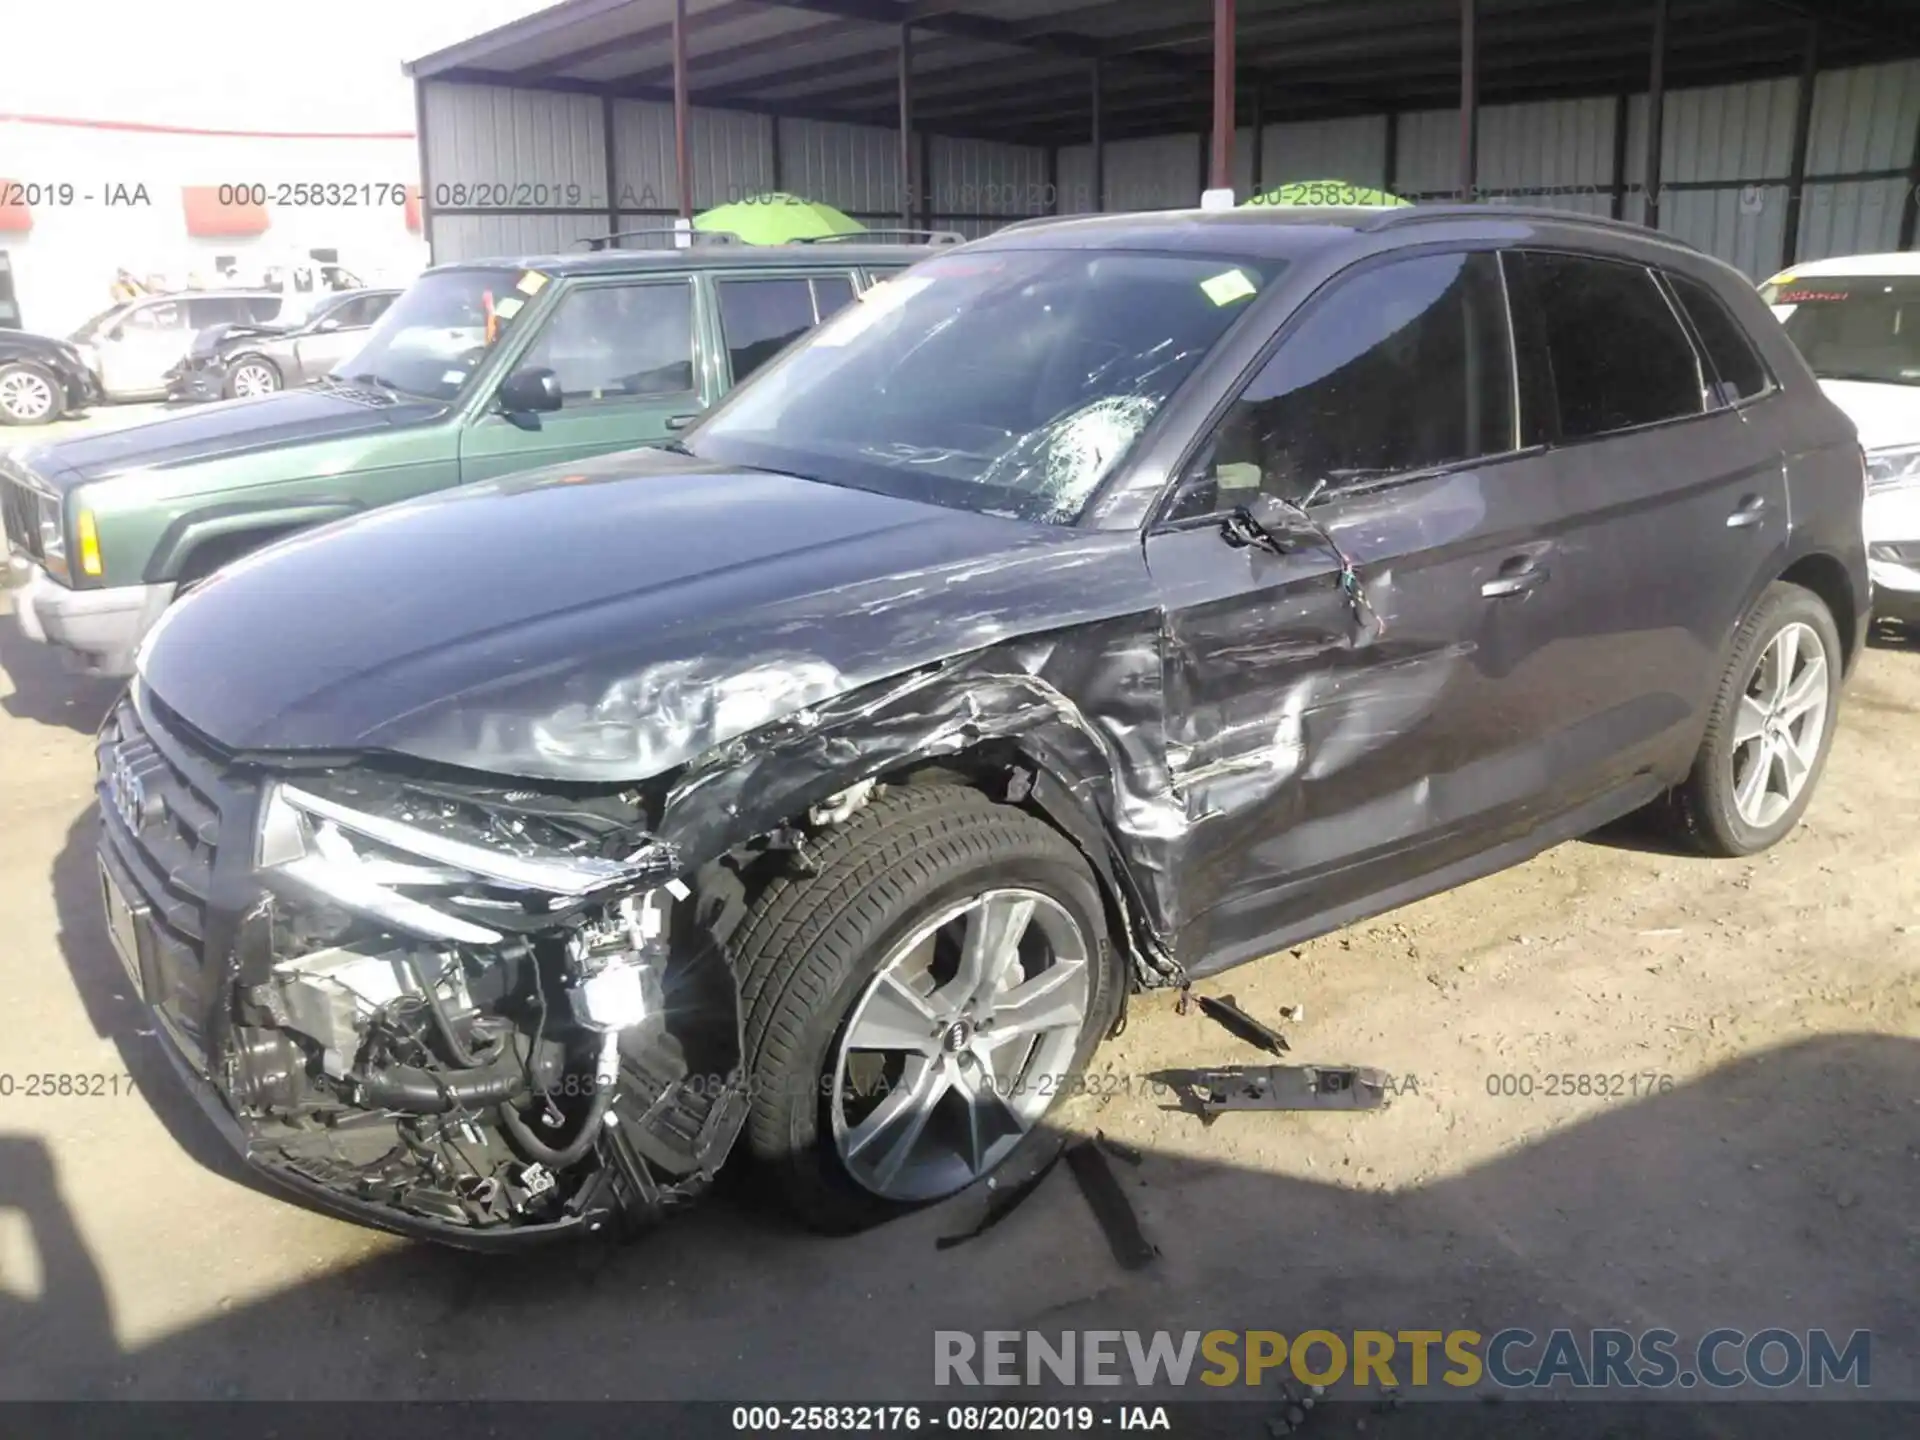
<point>263,64</point>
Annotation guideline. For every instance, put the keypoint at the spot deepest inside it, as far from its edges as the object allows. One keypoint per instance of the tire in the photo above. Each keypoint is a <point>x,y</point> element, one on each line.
<point>810,950</point>
<point>1714,814</point>
<point>263,377</point>
<point>30,394</point>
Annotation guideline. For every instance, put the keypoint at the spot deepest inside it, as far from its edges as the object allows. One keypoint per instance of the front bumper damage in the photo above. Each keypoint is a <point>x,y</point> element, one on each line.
<point>581,1072</point>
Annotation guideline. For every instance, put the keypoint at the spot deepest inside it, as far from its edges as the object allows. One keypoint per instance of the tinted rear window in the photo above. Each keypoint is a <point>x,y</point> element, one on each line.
<point>1742,373</point>
<point>1620,357</point>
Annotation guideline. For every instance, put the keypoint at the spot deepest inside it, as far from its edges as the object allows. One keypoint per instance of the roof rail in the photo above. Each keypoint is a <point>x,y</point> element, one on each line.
<point>1398,216</point>
<point>698,237</point>
<point>855,237</point>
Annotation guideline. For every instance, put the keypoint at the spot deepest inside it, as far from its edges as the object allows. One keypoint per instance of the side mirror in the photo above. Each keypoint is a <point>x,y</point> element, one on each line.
<point>1261,518</point>
<point>326,326</point>
<point>532,391</point>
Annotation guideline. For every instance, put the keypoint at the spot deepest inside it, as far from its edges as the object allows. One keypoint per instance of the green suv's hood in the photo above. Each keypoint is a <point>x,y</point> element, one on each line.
<point>231,427</point>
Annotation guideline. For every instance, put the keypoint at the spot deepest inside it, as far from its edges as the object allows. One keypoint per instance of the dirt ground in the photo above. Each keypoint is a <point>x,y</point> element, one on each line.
<point>1764,1174</point>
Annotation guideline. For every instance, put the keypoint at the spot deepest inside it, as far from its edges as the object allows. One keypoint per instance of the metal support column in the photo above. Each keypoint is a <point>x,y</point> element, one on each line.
<point>1053,180</point>
<point>1622,116</point>
<point>426,180</point>
<point>682,154</point>
<point>1469,99</point>
<point>1909,213</point>
<point>1656,116</point>
<point>906,125</point>
<point>1099,144</point>
<point>1223,97</point>
<point>773,154</point>
<point>1257,156</point>
<point>1390,162</point>
<point>609,160</point>
<point>1802,138</point>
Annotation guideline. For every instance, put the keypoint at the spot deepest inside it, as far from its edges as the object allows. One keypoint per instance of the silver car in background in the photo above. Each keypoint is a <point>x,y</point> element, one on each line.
<point>232,361</point>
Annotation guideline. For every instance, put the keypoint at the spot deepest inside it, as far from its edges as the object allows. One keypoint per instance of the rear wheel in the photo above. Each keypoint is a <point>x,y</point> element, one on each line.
<point>29,394</point>
<point>252,375</point>
<point>916,1005</point>
<point>1770,727</point>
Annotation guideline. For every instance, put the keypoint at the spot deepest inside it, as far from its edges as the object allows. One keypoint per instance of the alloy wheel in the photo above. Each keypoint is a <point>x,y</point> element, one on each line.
<point>250,380</point>
<point>26,396</point>
<point>961,1041</point>
<point>1779,726</point>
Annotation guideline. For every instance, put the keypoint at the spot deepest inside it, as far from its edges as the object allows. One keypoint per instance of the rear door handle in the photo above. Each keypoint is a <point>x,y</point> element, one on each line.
<point>1752,511</point>
<point>681,422</point>
<point>1516,577</point>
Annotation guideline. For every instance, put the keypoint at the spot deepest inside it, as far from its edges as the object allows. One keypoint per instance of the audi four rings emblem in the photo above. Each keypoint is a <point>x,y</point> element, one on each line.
<point>127,792</point>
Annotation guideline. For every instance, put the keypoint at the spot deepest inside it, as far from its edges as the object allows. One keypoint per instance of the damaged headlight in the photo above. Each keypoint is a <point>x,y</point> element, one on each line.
<point>1893,469</point>
<point>634,726</point>
<point>417,881</point>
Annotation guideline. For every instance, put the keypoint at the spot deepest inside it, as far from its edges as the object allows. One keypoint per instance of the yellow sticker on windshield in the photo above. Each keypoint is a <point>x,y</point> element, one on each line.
<point>1785,277</point>
<point>530,283</point>
<point>509,307</point>
<point>1226,288</point>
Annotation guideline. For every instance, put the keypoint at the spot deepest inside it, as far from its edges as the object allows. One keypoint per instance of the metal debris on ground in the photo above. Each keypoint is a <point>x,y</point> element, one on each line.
<point>1227,1012</point>
<point>1110,1205</point>
<point>1119,1149</point>
<point>1277,1087</point>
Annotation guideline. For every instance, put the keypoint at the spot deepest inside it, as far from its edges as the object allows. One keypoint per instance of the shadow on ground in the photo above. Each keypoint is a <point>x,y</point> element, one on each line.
<point>44,690</point>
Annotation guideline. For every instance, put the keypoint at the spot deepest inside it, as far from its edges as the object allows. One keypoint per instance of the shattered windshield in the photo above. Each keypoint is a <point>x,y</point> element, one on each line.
<point>1853,327</point>
<point>1008,382</point>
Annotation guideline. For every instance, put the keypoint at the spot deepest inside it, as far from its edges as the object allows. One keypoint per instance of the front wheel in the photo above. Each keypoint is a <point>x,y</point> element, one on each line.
<point>29,394</point>
<point>252,375</point>
<point>917,1004</point>
<point>1770,728</point>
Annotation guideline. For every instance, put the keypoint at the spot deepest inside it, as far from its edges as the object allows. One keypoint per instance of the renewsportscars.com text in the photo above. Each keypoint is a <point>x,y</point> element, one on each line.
<point>1513,1359</point>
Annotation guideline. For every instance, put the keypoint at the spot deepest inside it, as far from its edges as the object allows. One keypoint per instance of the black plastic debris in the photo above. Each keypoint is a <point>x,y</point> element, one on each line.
<point>1276,1087</point>
<point>1226,1011</point>
<point>1110,1205</point>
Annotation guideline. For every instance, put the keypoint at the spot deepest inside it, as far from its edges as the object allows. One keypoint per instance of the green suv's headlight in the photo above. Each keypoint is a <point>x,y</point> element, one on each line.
<point>53,536</point>
<point>1892,469</point>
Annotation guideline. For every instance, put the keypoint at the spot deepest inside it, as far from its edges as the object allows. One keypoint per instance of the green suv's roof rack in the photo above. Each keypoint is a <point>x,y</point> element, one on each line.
<point>696,237</point>
<point>860,237</point>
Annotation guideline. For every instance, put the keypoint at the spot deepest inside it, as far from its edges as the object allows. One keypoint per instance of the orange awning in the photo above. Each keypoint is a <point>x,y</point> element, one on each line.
<point>15,217</point>
<point>413,208</point>
<point>214,211</point>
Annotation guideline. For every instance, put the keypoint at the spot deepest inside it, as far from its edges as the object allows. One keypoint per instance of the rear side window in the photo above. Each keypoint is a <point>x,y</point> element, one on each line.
<point>760,318</point>
<point>1741,371</point>
<point>1619,356</point>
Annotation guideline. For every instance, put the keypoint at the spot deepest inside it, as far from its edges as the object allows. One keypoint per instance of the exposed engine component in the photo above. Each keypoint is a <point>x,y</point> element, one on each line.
<point>332,996</point>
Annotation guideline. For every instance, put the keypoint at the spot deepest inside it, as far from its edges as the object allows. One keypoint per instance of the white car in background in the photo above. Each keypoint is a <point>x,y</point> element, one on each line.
<point>1856,319</point>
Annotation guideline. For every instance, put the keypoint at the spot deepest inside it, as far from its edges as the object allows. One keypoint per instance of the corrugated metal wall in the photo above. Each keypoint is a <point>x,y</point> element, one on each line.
<point>1727,161</point>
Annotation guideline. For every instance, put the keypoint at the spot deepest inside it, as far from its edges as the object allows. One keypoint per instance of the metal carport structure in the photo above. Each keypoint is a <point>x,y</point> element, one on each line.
<point>1765,130</point>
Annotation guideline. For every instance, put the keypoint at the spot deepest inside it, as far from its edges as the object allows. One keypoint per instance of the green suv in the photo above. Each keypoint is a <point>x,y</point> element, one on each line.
<point>479,369</point>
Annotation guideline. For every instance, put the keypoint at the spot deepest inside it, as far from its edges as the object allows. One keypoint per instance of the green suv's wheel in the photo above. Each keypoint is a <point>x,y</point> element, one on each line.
<point>917,1004</point>
<point>29,394</point>
<point>1770,727</point>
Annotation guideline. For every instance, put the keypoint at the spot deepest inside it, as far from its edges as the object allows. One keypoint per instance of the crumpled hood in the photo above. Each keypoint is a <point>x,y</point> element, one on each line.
<point>652,603</point>
<point>228,427</point>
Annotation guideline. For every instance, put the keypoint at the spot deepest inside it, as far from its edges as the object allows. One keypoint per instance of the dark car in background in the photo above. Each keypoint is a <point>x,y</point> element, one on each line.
<point>1099,605</point>
<point>240,360</point>
<point>41,379</point>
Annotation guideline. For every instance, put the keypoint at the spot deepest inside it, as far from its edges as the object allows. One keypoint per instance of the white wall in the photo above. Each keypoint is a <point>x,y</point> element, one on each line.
<point>64,265</point>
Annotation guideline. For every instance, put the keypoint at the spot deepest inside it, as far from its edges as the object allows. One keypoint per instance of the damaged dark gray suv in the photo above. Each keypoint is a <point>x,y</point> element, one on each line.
<point>1094,607</point>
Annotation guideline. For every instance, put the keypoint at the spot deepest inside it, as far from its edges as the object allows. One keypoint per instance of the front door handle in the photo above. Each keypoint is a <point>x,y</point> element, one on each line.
<point>1752,511</point>
<point>681,422</point>
<point>1516,577</point>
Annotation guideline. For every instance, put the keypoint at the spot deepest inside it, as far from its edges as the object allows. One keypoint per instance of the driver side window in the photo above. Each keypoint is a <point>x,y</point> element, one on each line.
<point>1403,368</point>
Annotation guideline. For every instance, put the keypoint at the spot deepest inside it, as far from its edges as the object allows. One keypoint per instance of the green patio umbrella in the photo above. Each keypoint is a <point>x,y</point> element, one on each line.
<point>1325,192</point>
<point>778,219</point>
